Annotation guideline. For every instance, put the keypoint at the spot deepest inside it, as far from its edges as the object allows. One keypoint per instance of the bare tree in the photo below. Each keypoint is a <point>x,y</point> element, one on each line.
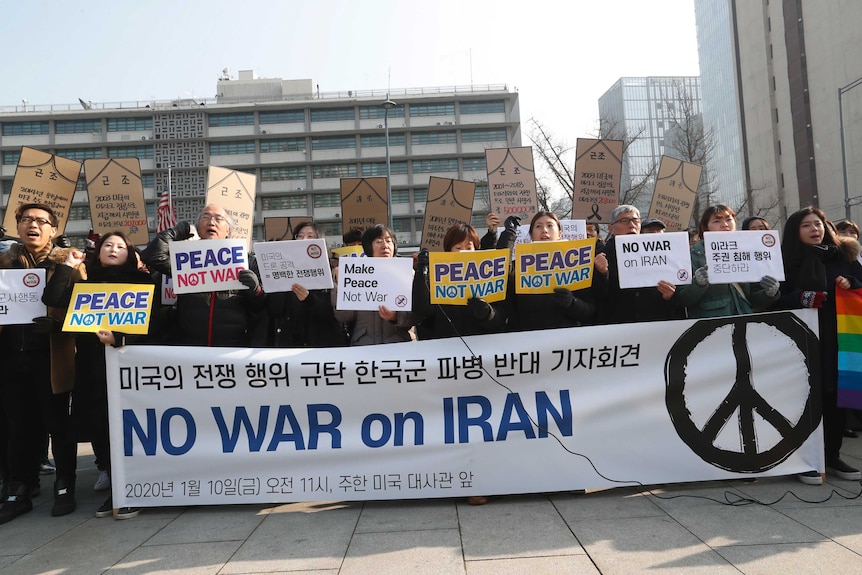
<point>638,184</point>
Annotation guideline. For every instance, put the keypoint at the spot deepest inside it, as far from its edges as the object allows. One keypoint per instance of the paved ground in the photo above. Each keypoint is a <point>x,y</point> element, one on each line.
<point>620,531</point>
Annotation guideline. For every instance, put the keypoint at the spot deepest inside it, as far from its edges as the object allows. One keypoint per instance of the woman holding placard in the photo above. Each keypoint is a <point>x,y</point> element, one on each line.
<point>704,299</point>
<point>383,325</point>
<point>302,317</point>
<point>115,261</point>
<point>562,308</point>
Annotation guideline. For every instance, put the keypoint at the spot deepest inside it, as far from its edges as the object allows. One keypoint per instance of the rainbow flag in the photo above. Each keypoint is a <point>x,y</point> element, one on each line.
<point>848,305</point>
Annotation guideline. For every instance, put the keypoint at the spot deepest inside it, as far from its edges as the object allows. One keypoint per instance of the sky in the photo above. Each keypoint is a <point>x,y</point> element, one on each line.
<point>560,56</point>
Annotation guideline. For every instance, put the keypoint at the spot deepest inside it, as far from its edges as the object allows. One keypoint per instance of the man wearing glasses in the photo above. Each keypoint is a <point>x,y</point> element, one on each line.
<point>219,319</point>
<point>618,305</point>
<point>38,372</point>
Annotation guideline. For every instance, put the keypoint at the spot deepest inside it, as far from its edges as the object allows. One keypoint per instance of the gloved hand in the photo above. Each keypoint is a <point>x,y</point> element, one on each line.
<point>62,241</point>
<point>512,223</point>
<point>770,285</point>
<point>249,279</point>
<point>701,276</point>
<point>181,231</point>
<point>423,259</point>
<point>563,297</point>
<point>812,299</point>
<point>44,324</point>
<point>480,309</point>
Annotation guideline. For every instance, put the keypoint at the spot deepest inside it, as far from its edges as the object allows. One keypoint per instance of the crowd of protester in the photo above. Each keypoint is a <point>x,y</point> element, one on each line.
<point>54,382</point>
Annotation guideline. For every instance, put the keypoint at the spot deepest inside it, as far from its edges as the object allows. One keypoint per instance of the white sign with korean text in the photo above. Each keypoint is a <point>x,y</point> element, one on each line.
<point>210,426</point>
<point>574,229</point>
<point>303,262</point>
<point>208,265</point>
<point>368,283</point>
<point>21,296</point>
<point>643,260</point>
<point>743,256</point>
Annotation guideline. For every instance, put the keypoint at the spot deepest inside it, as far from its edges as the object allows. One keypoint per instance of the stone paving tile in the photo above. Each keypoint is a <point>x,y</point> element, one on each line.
<point>206,524</point>
<point>821,558</point>
<point>432,552</point>
<point>188,559</point>
<point>523,526</point>
<point>607,504</point>
<point>559,565</point>
<point>415,515</point>
<point>789,492</point>
<point>841,524</point>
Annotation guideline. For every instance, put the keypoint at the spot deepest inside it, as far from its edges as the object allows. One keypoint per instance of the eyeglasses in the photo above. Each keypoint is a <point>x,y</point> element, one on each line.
<point>217,219</point>
<point>627,221</point>
<point>27,220</point>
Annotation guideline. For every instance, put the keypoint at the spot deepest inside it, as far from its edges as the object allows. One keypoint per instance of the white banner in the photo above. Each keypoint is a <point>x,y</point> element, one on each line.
<point>645,259</point>
<point>21,296</point>
<point>303,262</point>
<point>368,283</point>
<point>207,265</point>
<point>744,256</point>
<point>664,402</point>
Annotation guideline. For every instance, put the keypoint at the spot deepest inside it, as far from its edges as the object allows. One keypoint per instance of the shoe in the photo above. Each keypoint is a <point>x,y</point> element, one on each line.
<point>477,500</point>
<point>811,478</point>
<point>17,503</point>
<point>842,470</point>
<point>45,468</point>
<point>103,483</point>
<point>127,512</point>
<point>64,498</point>
<point>106,509</point>
<point>850,433</point>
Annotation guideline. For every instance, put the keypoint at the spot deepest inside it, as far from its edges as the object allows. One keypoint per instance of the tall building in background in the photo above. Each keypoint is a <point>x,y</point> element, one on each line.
<point>298,141</point>
<point>800,83</point>
<point>647,107</point>
<point>719,101</point>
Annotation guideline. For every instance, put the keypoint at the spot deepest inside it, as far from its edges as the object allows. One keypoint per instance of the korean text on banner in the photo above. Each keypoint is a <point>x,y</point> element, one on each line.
<point>455,277</point>
<point>541,267</point>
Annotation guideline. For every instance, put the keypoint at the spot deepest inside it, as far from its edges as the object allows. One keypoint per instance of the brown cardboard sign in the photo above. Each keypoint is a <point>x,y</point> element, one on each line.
<point>449,202</point>
<point>42,178</point>
<point>280,228</point>
<point>598,165</point>
<point>512,182</point>
<point>116,195</point>
<point>364,202</point>
<point>675,192</point>
<point>235,192</point>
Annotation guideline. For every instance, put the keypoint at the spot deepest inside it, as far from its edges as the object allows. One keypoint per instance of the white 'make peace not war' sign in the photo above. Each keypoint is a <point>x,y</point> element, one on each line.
<point>645,259</point>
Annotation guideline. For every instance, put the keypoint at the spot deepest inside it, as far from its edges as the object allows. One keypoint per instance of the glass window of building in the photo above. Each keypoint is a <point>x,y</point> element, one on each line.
<point>293,202</point>
<point>79,213</point>
<point>326,200</point>
<point>141,152</point>
<point>330,228</point>
<point>441,165</point>
<point>7,186</point>
<point>400,196</point>
<point>447,109</point>
<point>333,142</point>
<point>379,140</point>
<point>420,195</point>
<point>378,112</point>
<point>25,128</point>
<point>379,168</point>
<point>401,225</point>
<point>495,107</point>
<point>81,154</point>
<point>283,173</point>
<point>473,164</point>
<point>334,171</point>
<point>231,148</point>
<point>282,145</point>
<point>486,135</point>
<point>235,119</point>
<point>422,138</point>
<point>287,117</point>
<point>333,114</point>
<point>77,126</point>
<point>129,124</point>
<point>148,180</point>
<point>11,158</point>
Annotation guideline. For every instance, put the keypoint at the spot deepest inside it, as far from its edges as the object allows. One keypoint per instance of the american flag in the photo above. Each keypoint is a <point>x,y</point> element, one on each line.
<point>165,216</point>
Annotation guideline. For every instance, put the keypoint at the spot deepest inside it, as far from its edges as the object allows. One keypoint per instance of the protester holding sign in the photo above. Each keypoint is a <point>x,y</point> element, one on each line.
<point>705,299</point>
<point>38,372</point>
<point>817,263</point>
<point>617,305</point>
<point>302,317</point>
<point>562,308</point>
<point>217,318</point>
<point>383,325</point>
<point>115,261</point>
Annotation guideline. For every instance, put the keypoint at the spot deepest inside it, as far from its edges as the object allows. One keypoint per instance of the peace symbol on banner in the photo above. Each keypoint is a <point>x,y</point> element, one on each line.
<point>743,432</point>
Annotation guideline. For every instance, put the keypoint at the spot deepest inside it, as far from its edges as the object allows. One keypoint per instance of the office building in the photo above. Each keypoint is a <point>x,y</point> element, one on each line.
<point>298,141</point>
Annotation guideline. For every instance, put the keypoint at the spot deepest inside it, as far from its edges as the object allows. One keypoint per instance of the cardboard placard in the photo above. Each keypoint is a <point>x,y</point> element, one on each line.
<point>235,192</point>
<point>42,178</point>
<point>512,182</point>
<point>114,307</point>
<point>21,296</point>
<point>598,165</point>
<point>450,202</point>
<point>116,195</point>
<point>280,228</point>
<point>364,202</point>
<point>675,192</point>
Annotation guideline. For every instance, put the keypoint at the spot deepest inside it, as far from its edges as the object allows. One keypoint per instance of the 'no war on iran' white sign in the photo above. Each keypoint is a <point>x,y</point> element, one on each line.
<point>368,283</point>
<point>643,260</point>
<point>207,265</point>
